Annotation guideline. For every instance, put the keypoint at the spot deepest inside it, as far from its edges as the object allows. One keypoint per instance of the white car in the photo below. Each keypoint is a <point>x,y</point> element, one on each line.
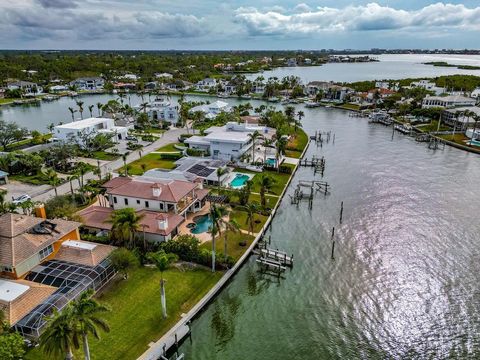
<point>21,199</point>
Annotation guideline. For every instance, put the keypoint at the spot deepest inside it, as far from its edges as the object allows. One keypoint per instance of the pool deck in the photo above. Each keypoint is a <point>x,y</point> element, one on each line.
<point>183,230</point>
<point>232,176</point>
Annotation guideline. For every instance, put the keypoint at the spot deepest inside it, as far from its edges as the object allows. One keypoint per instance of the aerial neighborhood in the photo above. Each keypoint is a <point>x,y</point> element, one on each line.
<point>172,173</point>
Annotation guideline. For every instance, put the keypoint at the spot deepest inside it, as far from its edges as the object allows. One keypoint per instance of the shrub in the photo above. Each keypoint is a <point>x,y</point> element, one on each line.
<point>185,246</point>
<point>195,152</point>
<point>170,156</point>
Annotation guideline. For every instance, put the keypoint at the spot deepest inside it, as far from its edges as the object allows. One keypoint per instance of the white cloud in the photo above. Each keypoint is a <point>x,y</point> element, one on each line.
<point>356,18</point>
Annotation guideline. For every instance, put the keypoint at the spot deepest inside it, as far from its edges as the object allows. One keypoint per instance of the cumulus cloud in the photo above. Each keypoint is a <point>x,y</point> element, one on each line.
<point>303,20</point>
<point>39,23</point>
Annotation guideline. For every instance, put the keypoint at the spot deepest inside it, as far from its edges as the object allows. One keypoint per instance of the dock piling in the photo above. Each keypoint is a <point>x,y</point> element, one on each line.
<point>341,212</point>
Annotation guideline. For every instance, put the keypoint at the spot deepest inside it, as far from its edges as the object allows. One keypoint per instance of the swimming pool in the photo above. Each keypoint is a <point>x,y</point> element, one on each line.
<point>202,224</point>
<point>270,162</point>
<point>239,180</point>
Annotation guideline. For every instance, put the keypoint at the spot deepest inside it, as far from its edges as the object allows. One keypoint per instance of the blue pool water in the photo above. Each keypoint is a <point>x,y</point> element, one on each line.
<point>239,180</point>
<point>270,162</point>
<point>202,224</point>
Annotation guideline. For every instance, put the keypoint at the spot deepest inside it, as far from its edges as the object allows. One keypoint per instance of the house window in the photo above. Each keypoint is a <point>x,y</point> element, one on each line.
<point>114,199</point>
<point>147,204</point>
<point>161,206</point>
<point>126,201</point>
<point>138,202</point>
<point>6,269</point>
<point>45,252</point>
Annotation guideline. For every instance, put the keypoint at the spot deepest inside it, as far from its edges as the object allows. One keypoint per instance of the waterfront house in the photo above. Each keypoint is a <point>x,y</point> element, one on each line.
<point>88,83</point>
<point>163,76</point>
<point>449,101</point>
<point>475,93</point>
<point>44,265</point>
<point>161,110</point>
<point>456,116</point>
<point>381,93</point>
<point>57,89</point>
<point>74,131</point>
<point>2,93</point>
<point>387,85</point>
<point>428,85</point>
<point>206,85</point>
<point>28,88</point>
<point>292,62</point>
<point>163,204</point>
<point>258,87</point>
<point>227,142</point>
<point>213,109</point>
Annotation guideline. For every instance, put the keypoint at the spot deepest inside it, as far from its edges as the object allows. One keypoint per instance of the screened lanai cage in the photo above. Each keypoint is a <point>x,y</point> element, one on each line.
<point>71,280</point>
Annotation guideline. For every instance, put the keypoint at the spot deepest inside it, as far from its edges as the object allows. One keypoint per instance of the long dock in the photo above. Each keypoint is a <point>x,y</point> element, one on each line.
<point>279,256</point>
<point>157,347</point>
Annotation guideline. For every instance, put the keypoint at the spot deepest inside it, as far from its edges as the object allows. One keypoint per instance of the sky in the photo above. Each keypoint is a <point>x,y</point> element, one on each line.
<point>238,24</point>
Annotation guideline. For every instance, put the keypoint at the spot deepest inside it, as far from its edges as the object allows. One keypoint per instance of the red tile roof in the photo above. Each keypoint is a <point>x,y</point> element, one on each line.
<point>171,190</point>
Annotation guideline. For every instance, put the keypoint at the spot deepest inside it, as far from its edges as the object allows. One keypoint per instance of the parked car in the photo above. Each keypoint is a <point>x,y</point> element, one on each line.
<point>21,199</point>
<point>131,138</point>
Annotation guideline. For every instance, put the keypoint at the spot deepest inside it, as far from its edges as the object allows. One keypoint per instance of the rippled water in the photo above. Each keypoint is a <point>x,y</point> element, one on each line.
<point>405,279</point>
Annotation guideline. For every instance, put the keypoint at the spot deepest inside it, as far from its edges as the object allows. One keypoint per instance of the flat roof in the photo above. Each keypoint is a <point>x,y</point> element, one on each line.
<point>10,290</point>
<point>79,245</point>
<point>80,124</point>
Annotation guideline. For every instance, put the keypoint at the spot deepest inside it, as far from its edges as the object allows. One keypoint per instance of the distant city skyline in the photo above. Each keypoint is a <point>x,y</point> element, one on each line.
<point>238,24</point>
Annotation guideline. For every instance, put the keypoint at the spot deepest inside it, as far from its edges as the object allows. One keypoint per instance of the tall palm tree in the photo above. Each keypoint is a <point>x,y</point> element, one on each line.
<point>475,118</point>
<point>70,179</point>
<point>90,108</point>
<point>300,115</point>
<point>51,127</point>
<point>254,136</point>
<point>125,223</point>
<point>251,209</point>
<point>266,144</point>
<point>162,261</point>
<point>220,172</point>
<point>53,180</point>
<point>80,108</point>
<point>87,315</point>
<point>61,335</point>
<point>280,146</point>
<point>72,112</point>
<point>216,214</point>
<point>266,184</point>
<point>124,158</point>
<point>230,225</point>
<point>100,108</point>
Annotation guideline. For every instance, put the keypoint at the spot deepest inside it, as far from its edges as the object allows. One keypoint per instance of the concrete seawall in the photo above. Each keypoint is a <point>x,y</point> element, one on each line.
<point>156,349</point>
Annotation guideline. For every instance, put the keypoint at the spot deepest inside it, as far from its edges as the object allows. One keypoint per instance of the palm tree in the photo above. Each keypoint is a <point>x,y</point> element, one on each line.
<point>80,108</point>
<point>60,335</point>
<point>143,106</point>
<point>220,172</point>
<point>100,108</point>
<point>280,146</point>
<point>162,261</point>
<point>251,209</point>
<point>125,223</point>
<point>51,127</point>
<point>254,136</point>
<point>124,158</point>
<point>90,108</point>
<point>53,180</point>
<point>72,112</point>
<point>216,214</point>
<point>70,179</point>
<point>86,313</point>
<point>476,118</point>
<point>144,167</point>
<point>266,184</point>
<point>233,226</point>
<point>266,144</point>
<point>300,115</point>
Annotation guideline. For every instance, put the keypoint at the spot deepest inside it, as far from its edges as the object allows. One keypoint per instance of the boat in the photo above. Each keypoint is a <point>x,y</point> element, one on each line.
<point>273,99</point>
<point>73,93</point>
<point>246,97</point>
<point>50,97</point>
<point>223,96</point>
<point>311,104</point>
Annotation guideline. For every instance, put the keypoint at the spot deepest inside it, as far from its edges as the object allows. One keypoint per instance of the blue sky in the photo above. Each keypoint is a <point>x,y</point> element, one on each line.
<point>238,24</point>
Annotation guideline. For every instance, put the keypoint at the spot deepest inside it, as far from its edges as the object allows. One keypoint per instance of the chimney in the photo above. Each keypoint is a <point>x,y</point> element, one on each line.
<point>162,221</point>
<point>40,211</point>
<point>156,190</point>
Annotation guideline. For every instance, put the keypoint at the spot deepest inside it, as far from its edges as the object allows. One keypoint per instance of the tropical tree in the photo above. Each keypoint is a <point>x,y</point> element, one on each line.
<point>220,172</point>
<point>125,223</point>
<point>87,316</point>
<point>280,146</point>
<point>72,112</point>
<point>124,158</point>
<point>53,180</point>
<point>90,109</point>
<point>162,261</point>
<point>100,108</point>
<point>123,260</point>
<point>70,179</point>
<point>266,184</point>
<point>61,335</point>
<point>253,137</point>
<point>266,144</point>
<point>251,209</point>
<point>217,213</point>
<point>230,225</point>
<point>80,107</point>
<point>51,127</point>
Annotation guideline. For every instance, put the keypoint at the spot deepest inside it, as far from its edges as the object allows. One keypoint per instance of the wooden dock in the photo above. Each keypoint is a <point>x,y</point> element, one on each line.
<point>277,256</point>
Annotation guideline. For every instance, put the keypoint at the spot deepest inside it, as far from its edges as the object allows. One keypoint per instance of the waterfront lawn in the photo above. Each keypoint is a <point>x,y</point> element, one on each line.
<point>151,161</point>
<point>170,148</point>
<point>297,143</point>
<point>241,217</point>
<point>99,155</point>
<point>433,126</point>
<point>37,179</point>
<point>233,248</point>
<point>349,106</point>
<point>277,188</point>
<point>135,318</point>
<point>457,138</point>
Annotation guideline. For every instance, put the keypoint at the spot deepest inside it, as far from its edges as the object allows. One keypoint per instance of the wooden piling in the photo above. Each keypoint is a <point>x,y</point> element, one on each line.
<point>341,212</point>
<point>333,243</point>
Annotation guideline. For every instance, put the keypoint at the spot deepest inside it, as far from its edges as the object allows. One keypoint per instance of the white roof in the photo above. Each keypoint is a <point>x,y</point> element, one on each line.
<point>451,98</point>
<point>81,124</point>
<point>228,136</point>
<point>10,290</point>
<point>79,244</point>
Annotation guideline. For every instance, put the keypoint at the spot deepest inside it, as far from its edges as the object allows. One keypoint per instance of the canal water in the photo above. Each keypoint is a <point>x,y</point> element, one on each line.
<point>405,281</point>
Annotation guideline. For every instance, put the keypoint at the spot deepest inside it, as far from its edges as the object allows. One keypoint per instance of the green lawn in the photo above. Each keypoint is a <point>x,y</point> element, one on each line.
<point>136,319</point>
<point>297,143</point>
<point>7,101</point>
<point>170,148</point>
<point>99,155</point>
<point>241,217</point>
<point>38,179</point>
<point>29,142</point>
<point>152,161</point>
<point>433,126</point>
<point>457,138</point>
<point>280,182</point>
<point>349,106</point>
<point>233,248</point>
